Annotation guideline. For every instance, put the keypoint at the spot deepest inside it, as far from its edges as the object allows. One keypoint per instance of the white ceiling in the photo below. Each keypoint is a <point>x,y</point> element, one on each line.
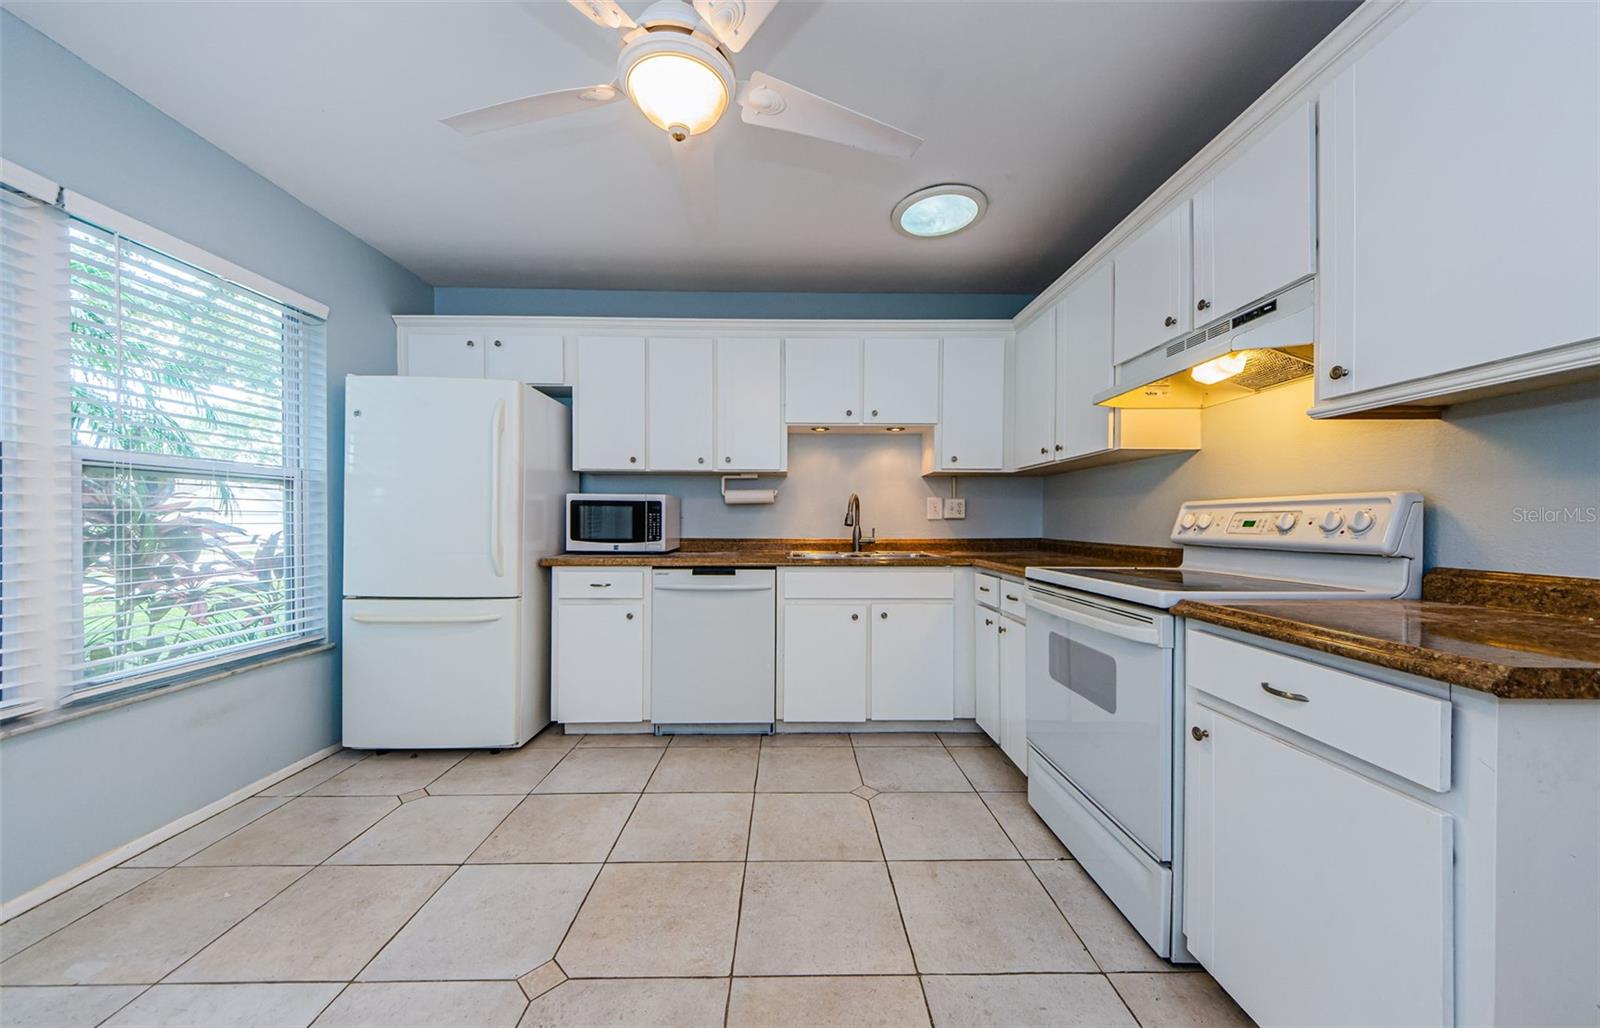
<point>1067,114</point>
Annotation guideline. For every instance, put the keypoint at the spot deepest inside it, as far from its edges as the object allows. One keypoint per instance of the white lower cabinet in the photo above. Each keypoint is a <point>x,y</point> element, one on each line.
<point>1000,647</point>
<point>986,650</point>
<point>1013,691</point>
<point>599,671</point>
<point>867,644</point>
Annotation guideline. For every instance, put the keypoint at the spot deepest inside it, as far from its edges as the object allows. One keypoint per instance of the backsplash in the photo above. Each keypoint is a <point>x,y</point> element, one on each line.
<point>1512,483</point>
<point>823,471</point>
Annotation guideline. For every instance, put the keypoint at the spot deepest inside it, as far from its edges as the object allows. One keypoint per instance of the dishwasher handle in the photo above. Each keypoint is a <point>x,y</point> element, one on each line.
<point>689,587</point>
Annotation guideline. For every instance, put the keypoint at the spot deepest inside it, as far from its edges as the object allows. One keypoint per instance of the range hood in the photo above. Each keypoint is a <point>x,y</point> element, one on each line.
<point>1266,345</point>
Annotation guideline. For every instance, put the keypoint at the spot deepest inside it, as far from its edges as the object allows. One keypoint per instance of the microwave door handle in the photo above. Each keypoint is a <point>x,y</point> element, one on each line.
<point>1147,633</point>
<point>497,442</point>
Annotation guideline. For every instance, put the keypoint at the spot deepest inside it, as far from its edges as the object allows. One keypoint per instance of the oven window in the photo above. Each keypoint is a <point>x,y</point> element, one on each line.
<point>1084,670</point>
<point>616,521</point>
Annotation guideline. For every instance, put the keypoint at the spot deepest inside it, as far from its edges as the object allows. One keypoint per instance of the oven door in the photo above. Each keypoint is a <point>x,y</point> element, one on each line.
<point>1100,706</point>
<point>617,524</point>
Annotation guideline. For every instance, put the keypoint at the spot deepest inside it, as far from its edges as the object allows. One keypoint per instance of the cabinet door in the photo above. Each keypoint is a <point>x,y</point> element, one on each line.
<point>824,662</point>
<point>682,405</point>
<point>444,354</point>
<point>750,432</point>
<point>1153,287</point>
<point>1013,691</point>
<point>913,661</point>
<point>521,357</point>
<point>608,404</point>
<point>972,410</point>
<point>901,381</point>
<point>1083,365</point>
<point>599,673</point>
<point>822,380</point>
<point>986,647</point>
<point>1436,257</point>
<point>1305,858</point>
<point>1255,222</point>
<point>1033,431</point>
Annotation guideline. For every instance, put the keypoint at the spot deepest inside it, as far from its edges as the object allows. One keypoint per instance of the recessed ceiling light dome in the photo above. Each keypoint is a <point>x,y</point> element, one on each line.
<point>939,210</point>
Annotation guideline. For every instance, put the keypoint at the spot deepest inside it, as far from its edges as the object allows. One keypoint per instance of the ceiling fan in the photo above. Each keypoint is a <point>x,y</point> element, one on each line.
<point>675,66</point>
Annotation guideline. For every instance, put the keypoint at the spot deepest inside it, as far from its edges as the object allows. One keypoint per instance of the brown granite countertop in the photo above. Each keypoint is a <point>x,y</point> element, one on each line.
<point>1513,636</point>
<point>1007,556</point>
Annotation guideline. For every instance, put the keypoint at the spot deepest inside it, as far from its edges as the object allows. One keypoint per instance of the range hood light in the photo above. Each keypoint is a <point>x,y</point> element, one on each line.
<point>1220,368</point>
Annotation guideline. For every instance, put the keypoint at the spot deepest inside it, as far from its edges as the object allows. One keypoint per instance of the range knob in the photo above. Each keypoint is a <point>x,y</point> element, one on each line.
<point>1285,522</point>
<point>1186,522</point>
<point>1332,521</point>
<point>1204,522</point>
<point>1361,521</point>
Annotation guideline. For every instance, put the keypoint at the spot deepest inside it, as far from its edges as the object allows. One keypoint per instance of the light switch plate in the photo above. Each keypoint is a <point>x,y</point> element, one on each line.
<point>955,507</point>
<point>935,509</point>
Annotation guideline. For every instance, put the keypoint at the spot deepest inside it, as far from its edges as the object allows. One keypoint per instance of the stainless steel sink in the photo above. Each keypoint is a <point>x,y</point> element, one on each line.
<point>845,556</point>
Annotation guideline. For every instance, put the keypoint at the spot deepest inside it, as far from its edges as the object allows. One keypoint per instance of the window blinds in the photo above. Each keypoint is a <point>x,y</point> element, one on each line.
<point>187,428</point>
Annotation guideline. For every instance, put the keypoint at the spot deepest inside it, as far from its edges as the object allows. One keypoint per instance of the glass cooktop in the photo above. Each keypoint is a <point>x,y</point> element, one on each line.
<point>1179,580</point>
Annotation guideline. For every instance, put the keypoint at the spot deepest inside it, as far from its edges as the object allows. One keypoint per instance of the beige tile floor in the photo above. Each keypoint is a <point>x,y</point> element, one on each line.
<point>818,880</point>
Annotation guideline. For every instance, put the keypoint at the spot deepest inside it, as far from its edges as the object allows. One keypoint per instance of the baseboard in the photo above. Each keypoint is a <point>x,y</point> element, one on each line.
<point>87,870</point>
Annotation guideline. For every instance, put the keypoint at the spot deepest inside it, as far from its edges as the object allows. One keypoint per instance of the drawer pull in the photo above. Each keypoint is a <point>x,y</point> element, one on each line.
<point>599,585</point>
<point>1285,695</point>
<point>983,588</point>
<point>1013,599</point>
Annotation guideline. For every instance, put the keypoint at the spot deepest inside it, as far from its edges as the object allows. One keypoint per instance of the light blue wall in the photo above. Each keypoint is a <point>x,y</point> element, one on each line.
<point>74,791</point>
<point>629,303</point>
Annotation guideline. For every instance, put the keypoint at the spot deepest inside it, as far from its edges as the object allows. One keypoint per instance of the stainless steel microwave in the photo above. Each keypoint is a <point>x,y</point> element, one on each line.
<point>622,522</point>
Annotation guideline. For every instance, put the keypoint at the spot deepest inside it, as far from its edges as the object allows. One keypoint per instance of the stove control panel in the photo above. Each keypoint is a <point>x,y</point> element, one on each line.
<point>1377,523</point>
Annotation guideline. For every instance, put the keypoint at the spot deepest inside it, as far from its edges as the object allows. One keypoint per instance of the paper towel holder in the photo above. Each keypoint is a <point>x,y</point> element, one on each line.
<point>740,497</point>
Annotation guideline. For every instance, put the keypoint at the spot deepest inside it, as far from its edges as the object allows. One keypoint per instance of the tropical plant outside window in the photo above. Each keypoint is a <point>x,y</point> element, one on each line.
<point>190,403</point>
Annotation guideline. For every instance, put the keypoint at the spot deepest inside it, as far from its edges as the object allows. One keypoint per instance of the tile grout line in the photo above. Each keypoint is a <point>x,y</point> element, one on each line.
<point>905,932</point>
<point>738,917</point>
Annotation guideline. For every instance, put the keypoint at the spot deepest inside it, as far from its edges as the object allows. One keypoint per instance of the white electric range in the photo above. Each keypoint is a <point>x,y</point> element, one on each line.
<point>1105,671</point>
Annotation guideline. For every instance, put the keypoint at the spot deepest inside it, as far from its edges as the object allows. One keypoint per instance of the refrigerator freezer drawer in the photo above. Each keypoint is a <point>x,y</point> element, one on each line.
<point>435,673</point>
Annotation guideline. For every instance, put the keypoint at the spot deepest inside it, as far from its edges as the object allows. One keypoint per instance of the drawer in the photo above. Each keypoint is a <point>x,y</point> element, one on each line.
<point>986,589</point>
<point>868,584</point>
<point>1014,598</point>
<point>600,583</point>
<point>1405,732</point>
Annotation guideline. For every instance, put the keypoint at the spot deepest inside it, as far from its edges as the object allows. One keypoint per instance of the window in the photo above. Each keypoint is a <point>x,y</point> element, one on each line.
<point>186,426</point>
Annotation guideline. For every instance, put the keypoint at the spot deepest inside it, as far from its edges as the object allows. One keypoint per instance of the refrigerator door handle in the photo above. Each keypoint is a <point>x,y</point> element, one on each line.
<point>419,619</point>
<point>494,489</point>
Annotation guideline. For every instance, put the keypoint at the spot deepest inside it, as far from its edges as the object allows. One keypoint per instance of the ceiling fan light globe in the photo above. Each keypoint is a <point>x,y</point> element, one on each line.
<point>677,82</point>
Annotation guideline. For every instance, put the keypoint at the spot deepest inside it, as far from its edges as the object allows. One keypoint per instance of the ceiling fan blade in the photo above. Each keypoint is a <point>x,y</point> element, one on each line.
<point>733,22</point>
<point>604,13</point>
<point>773,103</point>
<point>534,108</point>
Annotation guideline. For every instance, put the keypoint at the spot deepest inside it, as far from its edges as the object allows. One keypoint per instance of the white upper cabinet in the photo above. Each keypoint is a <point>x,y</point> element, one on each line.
<point>822,380</point>
<point>1255,222</point>
<point>1153,285</point>
<point>524,357</point>
<point>973,404</point>
<point>1083,366</point>
<point>609,404</point>
<point>750,430</point>
<point>1460,205</point>
<point>900,376</point>
<point>444,354</point>
<point>1034,427</point>
<point>681,404</point>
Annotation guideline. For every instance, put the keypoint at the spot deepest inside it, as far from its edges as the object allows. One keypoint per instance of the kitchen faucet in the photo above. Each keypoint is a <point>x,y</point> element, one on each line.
<point>852,521</point>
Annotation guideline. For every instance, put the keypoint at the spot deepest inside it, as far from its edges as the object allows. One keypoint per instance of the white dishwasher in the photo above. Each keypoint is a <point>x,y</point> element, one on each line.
<point>713,646</point>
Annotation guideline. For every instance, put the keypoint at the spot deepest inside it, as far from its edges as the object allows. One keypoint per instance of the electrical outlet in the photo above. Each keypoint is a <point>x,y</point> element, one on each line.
<point>935,509</point>
<point>955,507</point>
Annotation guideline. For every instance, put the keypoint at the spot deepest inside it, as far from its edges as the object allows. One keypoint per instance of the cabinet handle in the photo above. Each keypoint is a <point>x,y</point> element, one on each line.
<point>855,617</point>
<point>1200,734</point>
<point>849,413</point>
<point>874,413</point>
<point>1338,371</point>
<point>633,460</point>
<point>988,621</point>
<point>1013,599</point>
<point>1284,694</point>
<point>701,459</point>
<point>599,585</point>
<point>630,615</point>
<point>471,343</point>
<point>1002,629</point>
<point>954,459</point>
<point>983,588</point>
<point>1044,449</point>
<point>727,460</point>
<point>884,615</point>
<point>1203,305</point>
<point>1059,447</point>
<point>497,342</point>
<point>1170,321</point>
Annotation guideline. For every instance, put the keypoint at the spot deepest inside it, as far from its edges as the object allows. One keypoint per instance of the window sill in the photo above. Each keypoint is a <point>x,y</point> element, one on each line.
<point>60,715</point>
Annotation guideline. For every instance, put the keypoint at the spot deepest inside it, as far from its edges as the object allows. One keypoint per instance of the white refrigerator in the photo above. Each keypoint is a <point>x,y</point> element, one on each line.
<point>453,491</point>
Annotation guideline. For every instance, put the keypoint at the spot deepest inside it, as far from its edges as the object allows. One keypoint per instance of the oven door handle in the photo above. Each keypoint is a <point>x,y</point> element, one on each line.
<point>1139,630</point>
